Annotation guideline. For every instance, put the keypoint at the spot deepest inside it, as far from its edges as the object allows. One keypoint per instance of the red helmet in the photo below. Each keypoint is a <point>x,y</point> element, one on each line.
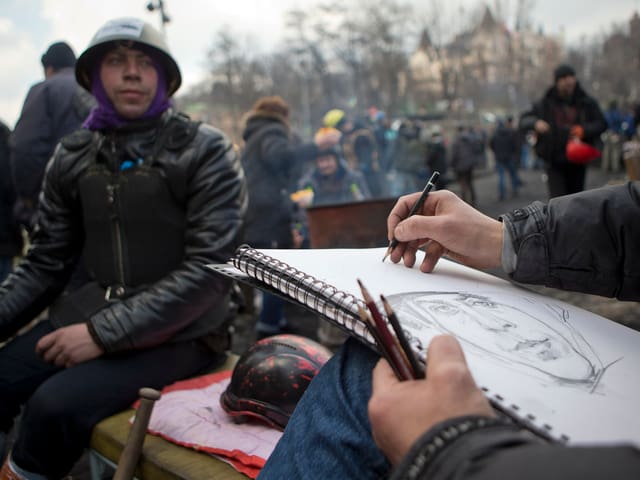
<point>270,378</point>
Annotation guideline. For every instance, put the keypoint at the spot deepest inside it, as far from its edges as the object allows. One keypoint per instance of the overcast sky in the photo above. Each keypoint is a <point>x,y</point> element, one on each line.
<point>28,27</point>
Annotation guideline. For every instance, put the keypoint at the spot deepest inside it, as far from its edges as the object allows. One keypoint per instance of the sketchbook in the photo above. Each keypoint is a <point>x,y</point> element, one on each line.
<point>563,372</point>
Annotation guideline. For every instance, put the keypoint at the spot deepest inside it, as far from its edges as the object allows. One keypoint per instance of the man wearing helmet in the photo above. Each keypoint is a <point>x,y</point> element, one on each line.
<point>148,198</point>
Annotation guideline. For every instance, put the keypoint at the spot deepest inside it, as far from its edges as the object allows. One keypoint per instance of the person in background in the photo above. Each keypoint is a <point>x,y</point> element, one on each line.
<point>564,112</point>
<point>356,420</point>
<point>359,149</point>
<point>10,236</point>
<point>613,138</point>
<point>505,146</point>
<point>147,198</point>
<point>332,181</point>
<point>269,159</point>
<point>628,124</point>
<point>463,162</point>
<point>437,156</point>
<point>53,108</point>
<point>410,158</point>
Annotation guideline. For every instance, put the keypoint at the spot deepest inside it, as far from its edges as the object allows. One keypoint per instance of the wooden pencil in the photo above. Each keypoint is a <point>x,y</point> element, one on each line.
<point>371,327</point>
<point>388,340</point>
<point>404,343</point>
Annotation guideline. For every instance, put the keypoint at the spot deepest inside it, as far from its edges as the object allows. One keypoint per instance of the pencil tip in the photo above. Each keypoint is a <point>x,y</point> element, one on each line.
<point>365,292</point>
<point>386,304</point>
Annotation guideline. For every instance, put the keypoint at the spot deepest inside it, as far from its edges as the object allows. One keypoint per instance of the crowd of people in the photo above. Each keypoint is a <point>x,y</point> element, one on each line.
<point>115,189</point>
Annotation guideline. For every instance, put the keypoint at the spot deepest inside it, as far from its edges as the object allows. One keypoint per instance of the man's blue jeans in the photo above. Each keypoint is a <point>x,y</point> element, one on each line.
<point>329,435</point>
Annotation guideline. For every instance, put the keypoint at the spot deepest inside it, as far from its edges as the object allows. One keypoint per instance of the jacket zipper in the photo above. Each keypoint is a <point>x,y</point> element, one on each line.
<point>116,230</point>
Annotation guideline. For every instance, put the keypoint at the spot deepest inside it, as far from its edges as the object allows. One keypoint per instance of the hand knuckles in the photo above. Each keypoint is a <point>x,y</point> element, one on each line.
<point>451,373</point>
<point>377,406</point>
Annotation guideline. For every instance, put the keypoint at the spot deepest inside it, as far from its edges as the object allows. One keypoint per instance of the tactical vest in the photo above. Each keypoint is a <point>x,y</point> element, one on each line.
<point>134,225</point>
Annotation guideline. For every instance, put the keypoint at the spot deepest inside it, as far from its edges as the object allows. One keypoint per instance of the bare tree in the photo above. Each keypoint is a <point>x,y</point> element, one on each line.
<point>238,79</point>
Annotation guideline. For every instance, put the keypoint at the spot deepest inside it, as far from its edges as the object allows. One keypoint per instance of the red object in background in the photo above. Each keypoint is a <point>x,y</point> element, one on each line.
<point>581,153</point>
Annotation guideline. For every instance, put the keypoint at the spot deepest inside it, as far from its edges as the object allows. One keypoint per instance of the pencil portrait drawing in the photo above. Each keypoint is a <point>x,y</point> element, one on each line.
<point>536,338</point>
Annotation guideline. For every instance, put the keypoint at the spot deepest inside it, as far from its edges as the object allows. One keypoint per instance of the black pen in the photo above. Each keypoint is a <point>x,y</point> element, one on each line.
<point>423,196</point>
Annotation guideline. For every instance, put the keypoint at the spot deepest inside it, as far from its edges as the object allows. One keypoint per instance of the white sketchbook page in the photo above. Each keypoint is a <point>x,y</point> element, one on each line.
<point>574,371</point>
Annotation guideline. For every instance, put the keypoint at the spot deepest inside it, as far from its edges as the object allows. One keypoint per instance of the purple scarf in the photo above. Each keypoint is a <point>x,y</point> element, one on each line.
<point>104,116</point>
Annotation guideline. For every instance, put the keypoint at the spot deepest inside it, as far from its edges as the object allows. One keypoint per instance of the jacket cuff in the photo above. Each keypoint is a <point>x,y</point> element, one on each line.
<point>455,443</point>
<point>524,228</point>
<point>508,257</point>
<point>94,336</point>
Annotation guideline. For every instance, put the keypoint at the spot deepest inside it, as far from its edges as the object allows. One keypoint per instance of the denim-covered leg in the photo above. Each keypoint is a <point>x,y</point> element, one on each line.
<point>329,435</point>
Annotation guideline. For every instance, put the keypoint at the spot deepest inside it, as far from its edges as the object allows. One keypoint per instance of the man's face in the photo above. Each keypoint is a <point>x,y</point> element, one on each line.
<point>500,330</point>
<point>130,80</point>
<point>327,165</point>
<point>566,86</point>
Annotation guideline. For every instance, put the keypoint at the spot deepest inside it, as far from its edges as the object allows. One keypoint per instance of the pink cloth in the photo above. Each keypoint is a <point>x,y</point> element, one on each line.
<point>189,414</point>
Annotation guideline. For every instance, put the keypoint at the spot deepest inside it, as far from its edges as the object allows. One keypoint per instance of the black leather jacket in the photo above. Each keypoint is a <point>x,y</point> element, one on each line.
<point>205,185</point>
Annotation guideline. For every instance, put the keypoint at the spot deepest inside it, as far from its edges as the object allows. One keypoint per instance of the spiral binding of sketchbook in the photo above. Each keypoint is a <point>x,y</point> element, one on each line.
<point>339,307</point>
<point>571,410</point>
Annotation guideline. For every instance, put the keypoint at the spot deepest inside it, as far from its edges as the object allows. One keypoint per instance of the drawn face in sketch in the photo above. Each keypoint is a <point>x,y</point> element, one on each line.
<point>542,340</point>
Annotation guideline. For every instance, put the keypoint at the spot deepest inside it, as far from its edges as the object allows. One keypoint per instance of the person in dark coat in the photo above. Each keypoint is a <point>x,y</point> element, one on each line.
<point>359,149</point>
<point>10,236</point>
<point>565,111</point>
<point>437,156</point>
<point>506,148</point>
<point>269,158</point>
<point>53,108</point>
<point>332,181</point>
<point>464,159</point>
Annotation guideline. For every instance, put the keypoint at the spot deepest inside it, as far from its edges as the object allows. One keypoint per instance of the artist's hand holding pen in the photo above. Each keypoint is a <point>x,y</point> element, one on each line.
<point>400,412</point>
<point>444,225</point>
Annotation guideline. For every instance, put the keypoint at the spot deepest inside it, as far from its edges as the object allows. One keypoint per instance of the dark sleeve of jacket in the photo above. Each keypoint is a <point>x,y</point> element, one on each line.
<point>278,152</point>
<point>585,242</point>
<point>56,242</point>
<point>32,142</point>
<point>498,452</point>
<point>49,112</point>
<point>529,118</point>
<point>215,211</point>
<point>594,122</point>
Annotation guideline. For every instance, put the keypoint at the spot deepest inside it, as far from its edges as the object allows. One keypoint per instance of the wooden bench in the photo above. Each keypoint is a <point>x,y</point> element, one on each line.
<point>160,459</point>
